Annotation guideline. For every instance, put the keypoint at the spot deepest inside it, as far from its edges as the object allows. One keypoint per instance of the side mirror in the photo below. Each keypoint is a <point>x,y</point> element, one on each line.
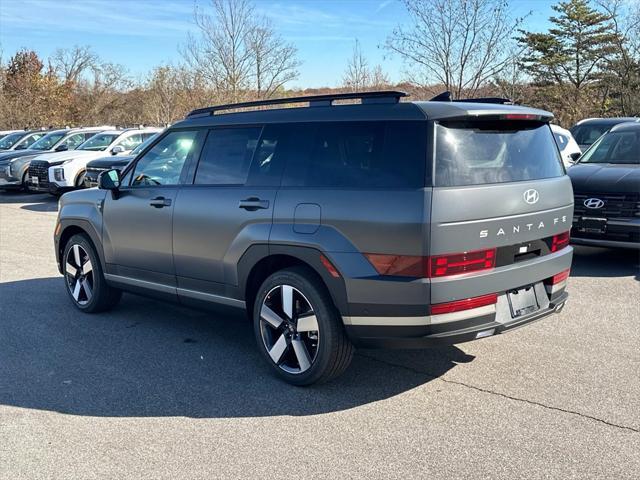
<point>575,156</point>
<point>62,147</point>
<point>117,149</point>
<point>109,180</point>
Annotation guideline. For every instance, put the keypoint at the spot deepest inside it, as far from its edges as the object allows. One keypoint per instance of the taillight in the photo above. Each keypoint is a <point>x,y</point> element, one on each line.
<point>466,304</point>
<point>560,277</point>
<point>397,265</point>
<point>559,241</point>
<point>436,266</point>
<point>458,263</point>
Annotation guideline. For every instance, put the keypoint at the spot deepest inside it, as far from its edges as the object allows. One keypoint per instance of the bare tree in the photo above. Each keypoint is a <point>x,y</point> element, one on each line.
<point>238,51</point>
<point>70,64</point>
<point>621,78</point>
<point>378,79</point>
<point>274,61</point>
<point>461,44</point>
<point>356,76</point>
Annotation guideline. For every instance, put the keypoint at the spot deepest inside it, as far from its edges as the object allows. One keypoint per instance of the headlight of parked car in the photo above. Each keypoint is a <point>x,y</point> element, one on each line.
<point>58,174</point>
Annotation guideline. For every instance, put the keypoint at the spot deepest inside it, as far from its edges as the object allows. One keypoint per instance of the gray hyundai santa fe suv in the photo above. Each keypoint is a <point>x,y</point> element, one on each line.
<point>377,224</point>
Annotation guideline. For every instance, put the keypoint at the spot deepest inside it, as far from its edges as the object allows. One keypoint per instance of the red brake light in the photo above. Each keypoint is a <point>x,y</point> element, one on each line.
<point>560,277</point>
<point>521,116</point>
<point>436,266</point>
<point>466,304</point>
<point>458,263</point>
<point>559,241</point>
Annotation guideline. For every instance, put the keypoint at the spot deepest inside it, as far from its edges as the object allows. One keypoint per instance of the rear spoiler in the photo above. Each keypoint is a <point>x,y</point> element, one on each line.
<point>492,111</point>
<point>446,97</point>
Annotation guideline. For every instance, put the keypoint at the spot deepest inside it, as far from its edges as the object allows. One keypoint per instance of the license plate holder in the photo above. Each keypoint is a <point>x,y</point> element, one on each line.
<point>35,180</point>
<point>523,301</point>
<point>592,225</point>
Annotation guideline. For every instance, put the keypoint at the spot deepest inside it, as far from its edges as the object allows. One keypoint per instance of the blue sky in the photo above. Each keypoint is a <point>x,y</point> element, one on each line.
<point>140,34</point>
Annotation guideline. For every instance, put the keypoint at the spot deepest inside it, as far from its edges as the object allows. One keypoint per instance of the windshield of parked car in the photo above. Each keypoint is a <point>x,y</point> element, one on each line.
<point>10,140</point>
<point>48,141</point>
<point>615,147</point>
<point>587,134</point>
<point>99,142</point>
<point>27,141</point>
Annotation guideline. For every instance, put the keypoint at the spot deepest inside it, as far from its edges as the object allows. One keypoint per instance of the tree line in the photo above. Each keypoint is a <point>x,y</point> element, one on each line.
<point>586,64</point>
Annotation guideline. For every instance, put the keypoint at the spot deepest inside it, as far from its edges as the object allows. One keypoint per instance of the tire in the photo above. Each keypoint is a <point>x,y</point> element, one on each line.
<point>84,279</point>
<point>25,182</point>
<point>302,338</point>
<point>80,180</point>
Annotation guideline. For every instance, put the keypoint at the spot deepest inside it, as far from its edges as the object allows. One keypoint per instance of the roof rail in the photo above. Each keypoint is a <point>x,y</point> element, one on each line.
<point>382,96</point>
<point>446,97</point>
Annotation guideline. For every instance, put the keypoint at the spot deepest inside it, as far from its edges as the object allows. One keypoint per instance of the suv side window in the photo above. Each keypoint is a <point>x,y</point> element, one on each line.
<point>131,142</point>
<point>163,164</point>
<point>74,140</point>
<point>361,155</point>
<point>226,156</point>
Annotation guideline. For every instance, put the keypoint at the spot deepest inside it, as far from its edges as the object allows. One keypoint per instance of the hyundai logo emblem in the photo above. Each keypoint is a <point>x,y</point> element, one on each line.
<point>593,203</point>
<point>531,196</point>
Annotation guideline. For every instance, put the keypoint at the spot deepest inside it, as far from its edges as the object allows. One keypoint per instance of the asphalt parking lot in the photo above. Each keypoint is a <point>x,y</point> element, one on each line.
<point>152,390</point>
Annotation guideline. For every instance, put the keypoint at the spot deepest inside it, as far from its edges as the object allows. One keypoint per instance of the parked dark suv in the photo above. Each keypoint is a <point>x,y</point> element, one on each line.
<point>606,185</point>
<point>384,224</point>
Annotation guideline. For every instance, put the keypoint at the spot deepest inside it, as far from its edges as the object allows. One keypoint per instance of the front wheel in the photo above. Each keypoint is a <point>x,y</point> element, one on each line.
<point>299,330</point>
<point>25,182</point>
<point>84,279</point>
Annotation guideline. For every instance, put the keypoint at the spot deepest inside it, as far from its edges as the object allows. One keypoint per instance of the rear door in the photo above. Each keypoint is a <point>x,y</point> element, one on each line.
<point>499,185</point>
<point>226,208</point>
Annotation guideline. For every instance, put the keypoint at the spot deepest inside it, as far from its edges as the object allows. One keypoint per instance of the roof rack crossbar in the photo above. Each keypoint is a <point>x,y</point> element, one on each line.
<point>446,97</point>
<point>383,96</point>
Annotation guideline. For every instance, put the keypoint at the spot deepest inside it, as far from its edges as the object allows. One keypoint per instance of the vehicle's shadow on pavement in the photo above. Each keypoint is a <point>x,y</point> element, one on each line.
<point>36,202</point>
<point>605,262</point>
<point>148,358</point>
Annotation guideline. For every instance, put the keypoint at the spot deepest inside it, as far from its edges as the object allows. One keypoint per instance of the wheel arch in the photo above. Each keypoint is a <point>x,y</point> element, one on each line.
<point>69,229</point>
<point>260,261</point>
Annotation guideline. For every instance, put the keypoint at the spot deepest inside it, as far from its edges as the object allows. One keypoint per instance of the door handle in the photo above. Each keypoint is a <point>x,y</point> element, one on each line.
<point>253,203</point>
<point>160,202</point>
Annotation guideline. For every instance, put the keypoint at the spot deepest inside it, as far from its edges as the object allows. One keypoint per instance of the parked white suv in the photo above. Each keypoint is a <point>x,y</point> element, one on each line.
<point>59,172</point>
<point>569,148</point>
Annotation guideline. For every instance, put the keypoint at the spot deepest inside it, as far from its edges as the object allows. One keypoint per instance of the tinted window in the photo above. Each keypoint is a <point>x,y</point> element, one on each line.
<point>226,156</point>
<point>48,141</point>
<point>360,155</point>
<point>615,147</point>
<point>10,140</point>
<point>162,165</point>
<point>479,152</point>
<point>99,142</point>
<point>561,140</point>
<point>587,134</point>
<point>130,142</point>
<point>77,139</point>
<point>28,141</point>
<point>270,157</point>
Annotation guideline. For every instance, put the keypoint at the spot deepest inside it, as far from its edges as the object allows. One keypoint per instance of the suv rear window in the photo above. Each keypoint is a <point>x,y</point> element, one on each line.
<point>480,152</point>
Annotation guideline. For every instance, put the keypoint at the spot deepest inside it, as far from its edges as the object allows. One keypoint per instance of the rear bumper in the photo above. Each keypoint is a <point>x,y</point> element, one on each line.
<point>429,335</point>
